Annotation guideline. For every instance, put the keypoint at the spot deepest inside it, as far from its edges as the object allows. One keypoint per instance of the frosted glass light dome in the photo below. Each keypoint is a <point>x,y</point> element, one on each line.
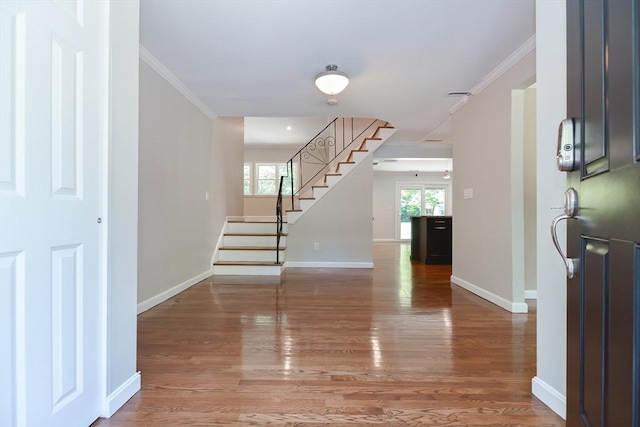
<point>331,81</point>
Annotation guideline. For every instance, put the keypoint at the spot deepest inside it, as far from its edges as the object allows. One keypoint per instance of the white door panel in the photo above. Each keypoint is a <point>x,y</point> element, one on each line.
<point>49,235</point>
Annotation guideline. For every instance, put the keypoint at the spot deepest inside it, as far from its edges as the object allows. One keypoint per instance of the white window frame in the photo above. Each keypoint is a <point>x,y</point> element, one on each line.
<point>256,177</point>
<point>251,174</point>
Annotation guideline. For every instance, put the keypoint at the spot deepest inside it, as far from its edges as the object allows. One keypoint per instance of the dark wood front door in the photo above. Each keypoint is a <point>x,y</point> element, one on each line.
<point>603,299</point>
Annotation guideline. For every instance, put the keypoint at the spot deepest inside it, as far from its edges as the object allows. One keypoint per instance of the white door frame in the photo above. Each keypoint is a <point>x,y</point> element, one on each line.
<point>103,242</point>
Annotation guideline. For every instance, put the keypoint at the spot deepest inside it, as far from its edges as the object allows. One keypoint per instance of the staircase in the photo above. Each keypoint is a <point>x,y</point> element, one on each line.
<point>249,248</point>
<point>249,244</point>
<point>337,170</point>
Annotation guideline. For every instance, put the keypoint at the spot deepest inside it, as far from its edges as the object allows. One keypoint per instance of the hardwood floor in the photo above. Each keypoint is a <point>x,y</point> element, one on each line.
<point>392,346</point>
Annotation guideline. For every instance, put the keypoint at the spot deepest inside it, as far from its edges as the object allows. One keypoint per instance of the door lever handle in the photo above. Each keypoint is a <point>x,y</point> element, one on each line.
<point>571,264</point>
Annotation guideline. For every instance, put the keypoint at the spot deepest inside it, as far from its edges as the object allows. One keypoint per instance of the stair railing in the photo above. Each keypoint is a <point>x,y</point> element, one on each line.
<point>321,152</point>
<point>279,220</point>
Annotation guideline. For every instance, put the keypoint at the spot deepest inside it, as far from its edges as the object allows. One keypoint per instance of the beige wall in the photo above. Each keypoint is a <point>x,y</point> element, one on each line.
<point>340,222</point>
<point>227,161</point>
<point>175,148</point>
<point>264,205</point>
<point>482,232</point>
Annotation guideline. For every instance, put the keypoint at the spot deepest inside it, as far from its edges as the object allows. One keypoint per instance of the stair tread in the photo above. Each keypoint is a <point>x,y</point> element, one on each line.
<point>254,234</point>
<point>293,210</point>
<point>346,163</point>
<point>360,151</point>
<point>306,198</point>
<point>332,174</point>
<point>373,139</point>
<point>249,263</point>
<point>251,248</point>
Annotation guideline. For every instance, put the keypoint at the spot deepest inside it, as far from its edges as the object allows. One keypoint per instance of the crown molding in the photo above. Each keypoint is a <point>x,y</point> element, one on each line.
<point>459,103</point>
<point>526,48</point>
<point>164,72</point>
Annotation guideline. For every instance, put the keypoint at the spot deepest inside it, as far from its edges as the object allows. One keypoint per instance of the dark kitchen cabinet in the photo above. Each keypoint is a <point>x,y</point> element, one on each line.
<point>431,239</point>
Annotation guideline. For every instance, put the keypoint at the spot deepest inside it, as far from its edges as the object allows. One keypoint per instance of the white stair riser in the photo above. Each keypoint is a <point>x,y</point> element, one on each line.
<point>332,180</point>
<point>248,270</point>
<point>357,156</point>
<point>385,133</point>
<point>346,168</point>
<point>320,191</point>
<point>253,241</point>
<point>254,227</point>
<point>306,204</point>
<point>373,144</point>
<point>250,255</point>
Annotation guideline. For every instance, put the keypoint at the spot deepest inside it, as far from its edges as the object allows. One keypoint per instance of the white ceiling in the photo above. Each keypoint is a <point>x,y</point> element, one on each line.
<point>258,58</point>
<point>282,130</point>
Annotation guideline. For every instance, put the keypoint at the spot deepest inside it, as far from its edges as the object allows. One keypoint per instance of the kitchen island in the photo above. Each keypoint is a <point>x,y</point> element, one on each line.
<point>431,239</point>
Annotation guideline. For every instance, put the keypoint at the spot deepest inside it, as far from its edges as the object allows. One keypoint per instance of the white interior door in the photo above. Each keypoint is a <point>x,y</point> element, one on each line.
<point>51,126</point>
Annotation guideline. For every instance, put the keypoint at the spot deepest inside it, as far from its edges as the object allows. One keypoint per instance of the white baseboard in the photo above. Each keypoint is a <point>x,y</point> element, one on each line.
<point>305,264</point>
<point>386,241</point>
<point>549,396</point>
<point>121,395</point>
<point>530,294</point>
<point>163,296</point>
<point>513,307</point>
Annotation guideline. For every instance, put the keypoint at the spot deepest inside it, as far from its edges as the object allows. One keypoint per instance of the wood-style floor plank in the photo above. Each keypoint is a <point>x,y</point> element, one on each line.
<point>392,346</point>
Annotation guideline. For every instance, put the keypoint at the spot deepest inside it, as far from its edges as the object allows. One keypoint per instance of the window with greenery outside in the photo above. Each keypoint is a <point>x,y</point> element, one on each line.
<point>268,179</point>
<point>434,201</point>
<point>410,204</point>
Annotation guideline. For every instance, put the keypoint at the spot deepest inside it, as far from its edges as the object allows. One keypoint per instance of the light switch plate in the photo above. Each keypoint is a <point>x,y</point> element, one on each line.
<point>468,193</point>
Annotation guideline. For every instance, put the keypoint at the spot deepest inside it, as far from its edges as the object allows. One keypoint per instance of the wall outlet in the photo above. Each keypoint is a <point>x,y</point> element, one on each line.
<point>316,246</point>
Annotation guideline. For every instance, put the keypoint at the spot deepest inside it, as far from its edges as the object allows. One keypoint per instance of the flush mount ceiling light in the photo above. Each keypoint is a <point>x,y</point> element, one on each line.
<point>331,81</point>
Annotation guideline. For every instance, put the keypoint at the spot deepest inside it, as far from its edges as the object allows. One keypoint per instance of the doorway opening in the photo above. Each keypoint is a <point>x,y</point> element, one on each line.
<point>419,200</point>
<point>523,179</point>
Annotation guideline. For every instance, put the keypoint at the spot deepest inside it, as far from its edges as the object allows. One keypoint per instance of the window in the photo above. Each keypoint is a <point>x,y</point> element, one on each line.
<point>247,178</point>
<point>268,178</point>
<point>434,201</point>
